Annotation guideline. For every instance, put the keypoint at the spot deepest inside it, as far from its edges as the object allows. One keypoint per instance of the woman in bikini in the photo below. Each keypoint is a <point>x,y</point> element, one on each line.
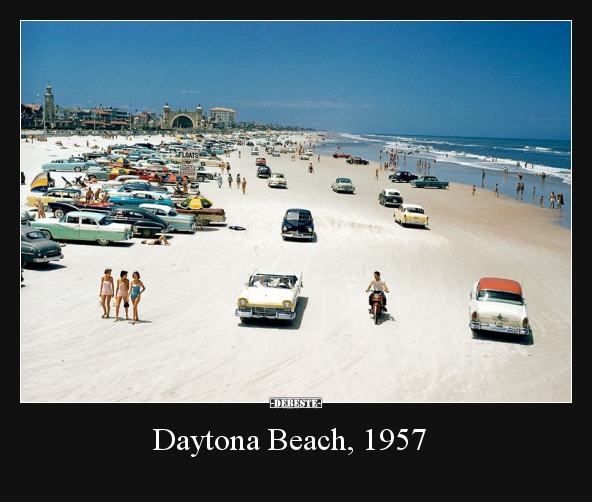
<point>122,294</point>
<point>106,292</point>
<point>135,293</point>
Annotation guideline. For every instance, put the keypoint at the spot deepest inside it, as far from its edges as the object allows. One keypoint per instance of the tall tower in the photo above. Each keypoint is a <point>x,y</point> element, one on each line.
<point>200,123</point>
<point>166,116</point>
<point>48,109</point>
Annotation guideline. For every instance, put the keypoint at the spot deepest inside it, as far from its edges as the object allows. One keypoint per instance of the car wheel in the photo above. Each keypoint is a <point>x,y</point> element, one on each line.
<point>47,233</point>
<point>58,213</point>
<point>103,242</point>
<point>77,169</point>
<point>205,222</point>
<point>200,178</point>
<point>147,233</point>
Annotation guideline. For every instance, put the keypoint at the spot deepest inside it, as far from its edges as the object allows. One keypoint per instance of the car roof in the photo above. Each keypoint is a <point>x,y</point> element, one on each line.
<point>499,284</point>
<point>57,189</point>
<point>392,190</point>
<point>86,213</point>
<point>162,207</point>
<point>299,210</point>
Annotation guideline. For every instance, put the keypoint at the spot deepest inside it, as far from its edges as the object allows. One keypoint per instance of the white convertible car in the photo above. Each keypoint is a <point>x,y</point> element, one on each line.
<point>498,305</point>
<point>269,296</point>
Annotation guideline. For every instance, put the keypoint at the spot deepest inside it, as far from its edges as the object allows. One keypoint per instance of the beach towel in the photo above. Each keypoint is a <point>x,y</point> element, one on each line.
<point>234,227</point>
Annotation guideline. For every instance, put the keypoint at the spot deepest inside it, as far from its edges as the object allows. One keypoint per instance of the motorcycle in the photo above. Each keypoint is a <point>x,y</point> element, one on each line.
<point>376,306</point>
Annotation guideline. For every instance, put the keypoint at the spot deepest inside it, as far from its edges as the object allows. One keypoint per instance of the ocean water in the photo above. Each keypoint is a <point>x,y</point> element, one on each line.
<point>462,160</point>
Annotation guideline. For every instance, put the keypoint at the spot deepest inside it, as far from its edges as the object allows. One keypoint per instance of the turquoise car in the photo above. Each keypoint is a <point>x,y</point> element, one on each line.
<point>139,197</point>
<point>84,226</point>
<point>76,164</point>
<point>176,221</point>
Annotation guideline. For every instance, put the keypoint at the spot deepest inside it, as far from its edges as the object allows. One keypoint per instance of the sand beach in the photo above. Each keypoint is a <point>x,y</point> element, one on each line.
<point>190,347</point>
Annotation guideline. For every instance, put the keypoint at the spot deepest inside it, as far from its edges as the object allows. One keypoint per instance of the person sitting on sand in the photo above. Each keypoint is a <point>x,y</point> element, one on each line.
<point>157,242</point>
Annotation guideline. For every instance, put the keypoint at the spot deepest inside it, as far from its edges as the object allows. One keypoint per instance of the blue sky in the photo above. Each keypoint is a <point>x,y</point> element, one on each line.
<point>509,79</point>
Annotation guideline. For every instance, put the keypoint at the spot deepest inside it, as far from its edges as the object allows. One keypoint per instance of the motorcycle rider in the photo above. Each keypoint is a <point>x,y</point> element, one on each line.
<point>377,284</point>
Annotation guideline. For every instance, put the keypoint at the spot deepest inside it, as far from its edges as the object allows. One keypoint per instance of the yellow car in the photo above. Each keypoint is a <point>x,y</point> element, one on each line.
<point>54,195</point>
<point>411,214</point>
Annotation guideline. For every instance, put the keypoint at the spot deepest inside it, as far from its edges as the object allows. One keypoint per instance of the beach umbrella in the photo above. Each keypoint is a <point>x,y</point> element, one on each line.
<point>41,182</point>
<point>196,202</point>
<point>173,178</point>
<point>123,161</point>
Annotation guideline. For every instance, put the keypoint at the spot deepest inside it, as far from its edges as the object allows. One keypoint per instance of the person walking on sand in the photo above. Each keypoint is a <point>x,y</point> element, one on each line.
<point>376,174</point>
<point>230,181</point>
<point>474,189</point>
<point>135,293</point>
<point>219,181</point>
<point>122,291</point>
<point>552,200</point>
<point>106,292</point>
<point>496,191</point>
<point>244,185</point>
<point>238,182</point>
<point>40,209</point>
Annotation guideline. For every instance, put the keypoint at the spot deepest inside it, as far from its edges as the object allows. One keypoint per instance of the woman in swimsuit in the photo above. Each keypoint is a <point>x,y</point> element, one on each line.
<point>106,292</point>
<point>122,294</point>
<point>135,293</point>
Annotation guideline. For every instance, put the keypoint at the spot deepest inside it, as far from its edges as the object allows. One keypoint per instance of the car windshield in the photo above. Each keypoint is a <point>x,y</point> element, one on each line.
<point>273,281</point>
<point>414,210</point>
<point>343,180</point>
<point>488,295</point>
<point>36,234</point>
<point>105,220</point>
<point>298,216</point>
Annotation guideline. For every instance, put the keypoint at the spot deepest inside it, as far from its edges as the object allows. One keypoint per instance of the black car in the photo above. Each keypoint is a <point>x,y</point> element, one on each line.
<point>402,177</point>
<point>298,224</point>
<point>143,222</point>
<point>37,248</point>
<point>357,160</point>
<point>59,208</point>
<point>263,172</point>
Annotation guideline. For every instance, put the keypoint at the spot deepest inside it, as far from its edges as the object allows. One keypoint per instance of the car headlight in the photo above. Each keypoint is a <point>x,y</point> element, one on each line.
<point>242,302</point>
<point>287,304</point>
<point>309,229</point>
<point>284,229</point>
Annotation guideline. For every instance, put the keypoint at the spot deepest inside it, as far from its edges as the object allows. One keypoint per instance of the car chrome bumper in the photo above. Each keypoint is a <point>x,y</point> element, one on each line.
<point>297,235</point>
<point>46,259</point>
<point>266,314</point>
<point>478,326</point>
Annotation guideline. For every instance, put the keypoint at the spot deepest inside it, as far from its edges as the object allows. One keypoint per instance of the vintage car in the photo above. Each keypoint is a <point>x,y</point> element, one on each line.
<point>140,197</point>
<point>263,172</point>
<point>37,248</point>
<point>277,180</point>
<point>498,305</point>
<point>343,185</point>
<point>99,173</point>
<point>410,214</point>
<point>260,161</point>
<point>357,160</point>
<point>304,156</point>
<point>143,222</point>
<point>428,182</point>
<point>202,174</point>
<point>402,177</point>
<point>269,296</point>
<point>54,195</point>
<point>84,226</point>
<point>201,207</point>
<point>298,224</point>
<point>255,151</point>
<point>310,153</point>
<point>339,155</point>
<point>390,197</point>
<point>71,164</point>
<point>60,208</point>
<point>276,153</point>
<point>177,222</point>
<point>27,217</point>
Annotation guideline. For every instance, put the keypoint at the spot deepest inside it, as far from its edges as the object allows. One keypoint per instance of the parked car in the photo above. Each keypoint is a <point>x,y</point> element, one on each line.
<point>498,305</point>
<point>410,214</point>
<point>310,153</point>
<point>53,195</point>
<point>390,197</point>
<point>71,164</point>
<point>276,153</point>
<point>402,177</point>
<point>84,226</point>
<point>263,172</point>
<point>60,208</point>
<point>143,222</point>
<point>100,173</point>
<point>357,160</point>
<point>176,221</point>
<point>27,217</point>
<point>254,151</point>
<point>277,180</point>
<point>428,182</point>
<point>269,296</point>
<point>304,156</point>
<point>298,224</point>
<point>36,247</point>
<point>140,197</point>
<point>291,149</point>
<point>343,185</point>
<point>339,155</point>
<point>260,161</point>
